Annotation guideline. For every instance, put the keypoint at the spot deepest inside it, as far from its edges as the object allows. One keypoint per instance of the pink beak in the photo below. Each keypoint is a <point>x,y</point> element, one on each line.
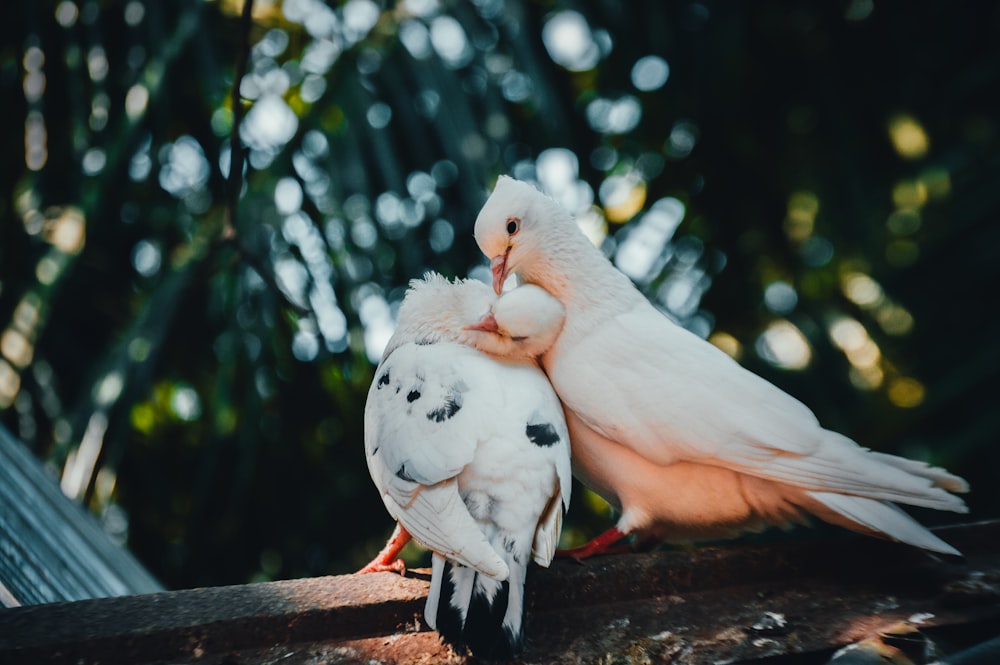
<point>486,324</point>
<point>498,266</point>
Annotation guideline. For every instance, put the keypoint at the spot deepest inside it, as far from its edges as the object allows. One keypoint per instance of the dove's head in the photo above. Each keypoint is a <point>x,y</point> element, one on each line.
<point>522,324</point>
<point>518,228</point>
<point>437,310</point>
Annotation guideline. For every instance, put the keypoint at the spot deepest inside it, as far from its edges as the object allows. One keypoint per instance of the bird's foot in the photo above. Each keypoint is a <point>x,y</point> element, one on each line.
<point>602,544</point>
<point>388,561</point>
<point>378,566</point>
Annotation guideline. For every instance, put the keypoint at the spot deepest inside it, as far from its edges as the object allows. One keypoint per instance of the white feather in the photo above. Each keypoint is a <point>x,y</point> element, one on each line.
<point>884,518</point>
<point>469,452</point>
<point>653,397</point>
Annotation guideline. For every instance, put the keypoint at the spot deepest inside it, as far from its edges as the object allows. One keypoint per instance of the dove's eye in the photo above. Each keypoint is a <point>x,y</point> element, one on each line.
<point>513,225</point>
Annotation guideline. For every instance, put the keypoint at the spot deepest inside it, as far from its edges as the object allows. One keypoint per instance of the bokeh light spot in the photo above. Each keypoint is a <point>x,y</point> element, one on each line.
<point>305,346</point>
<point>379,114</point>
<point>442,236</point>
<point>908,136</point>
<point>269,124</point>
<point>641,254</point>
<point>894,320</point>
<point>909,194</point>
<point>288,196</point>
<point>94,161</point>
<point>816,251</point>
<point>800,219</point>
<point>67,13</point>
<point>185,167</point>
<point>134,12</point>
<point>682,139</point>
<point>780,297</point>
<point>360,16</point>
<point>906,392</point>
<point>619,116</point>
<point>783,345</point>
<point>622,197</point>
<point>727,343</point>
<point>450,42</point>
<point>36,151</point>
<point>109,388</point>
<point>185,403</point>
<point>847,333</point>
<point>862,290</point>
<point>415,37</point>
<point>570,42</point>
<point>859,10</point>
<point>146,258</point>
<point>10,384</point>
<point>136,100</point>
<point>16,348</point>
<point>866,378</point>
<point>650,73</point>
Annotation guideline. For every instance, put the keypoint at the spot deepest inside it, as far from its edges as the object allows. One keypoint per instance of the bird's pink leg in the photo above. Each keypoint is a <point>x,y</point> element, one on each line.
<point>602,544</point>
<point>388,559</point>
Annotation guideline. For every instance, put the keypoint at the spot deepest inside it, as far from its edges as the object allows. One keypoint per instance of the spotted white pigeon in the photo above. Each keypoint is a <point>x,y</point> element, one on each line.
<point>675,434</point>
<point>470,451</point>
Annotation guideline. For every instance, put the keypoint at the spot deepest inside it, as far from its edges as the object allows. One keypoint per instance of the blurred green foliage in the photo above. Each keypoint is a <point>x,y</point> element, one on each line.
<point>813,185</point>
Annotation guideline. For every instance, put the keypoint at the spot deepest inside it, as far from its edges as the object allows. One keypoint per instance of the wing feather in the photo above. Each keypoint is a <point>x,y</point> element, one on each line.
<point>681,398</point>
<point>673,396</point>
<point>439,520</point>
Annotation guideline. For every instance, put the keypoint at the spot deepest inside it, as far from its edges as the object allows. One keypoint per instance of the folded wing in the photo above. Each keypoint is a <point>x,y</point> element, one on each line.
<point>671,397</point>
<point>424,419</point>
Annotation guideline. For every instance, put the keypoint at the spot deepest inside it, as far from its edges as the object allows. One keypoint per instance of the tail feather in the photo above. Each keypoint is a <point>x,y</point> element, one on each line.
<point>935,474</point>
<point>846,468</point>
<point>878,518</point>
<point>546,540</point>
<point>474,611</point>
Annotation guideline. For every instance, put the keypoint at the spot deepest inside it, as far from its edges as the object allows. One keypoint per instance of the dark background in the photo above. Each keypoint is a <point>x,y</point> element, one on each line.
<point>198,379</point>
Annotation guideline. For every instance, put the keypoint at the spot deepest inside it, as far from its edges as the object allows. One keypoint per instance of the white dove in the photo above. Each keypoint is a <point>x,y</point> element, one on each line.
<point>675,434</point>
<point>470,452</point>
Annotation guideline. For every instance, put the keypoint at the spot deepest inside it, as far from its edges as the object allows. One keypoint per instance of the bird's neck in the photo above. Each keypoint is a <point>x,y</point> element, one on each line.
<point>589,286</point>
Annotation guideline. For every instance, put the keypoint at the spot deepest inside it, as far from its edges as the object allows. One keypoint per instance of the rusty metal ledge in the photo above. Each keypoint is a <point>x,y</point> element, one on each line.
<point>735,603</point>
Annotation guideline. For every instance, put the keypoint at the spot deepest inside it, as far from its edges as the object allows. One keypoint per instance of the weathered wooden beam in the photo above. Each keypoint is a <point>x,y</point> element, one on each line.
<point>51,549</point>
<point>737,603</point>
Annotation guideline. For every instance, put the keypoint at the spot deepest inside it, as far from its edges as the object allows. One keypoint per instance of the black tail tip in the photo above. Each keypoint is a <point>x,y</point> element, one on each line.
<point>483,632</point>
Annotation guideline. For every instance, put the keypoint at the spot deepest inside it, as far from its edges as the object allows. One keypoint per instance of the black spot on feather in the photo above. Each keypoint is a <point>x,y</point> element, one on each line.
<point>383,380</point>
<point>403,475</point>
<point>413,395</point>
<point>451,406</point>
<point>542,435</point>
<point>510,547</point>
<point>452,403</point>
